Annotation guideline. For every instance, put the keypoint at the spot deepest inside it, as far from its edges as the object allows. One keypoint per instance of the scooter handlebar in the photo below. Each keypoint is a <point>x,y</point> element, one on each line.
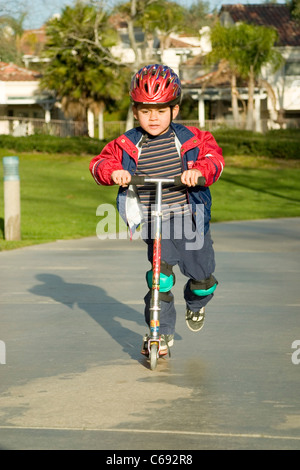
<point>201,181</point>
<point>176,180</point>
<point>137,180</point>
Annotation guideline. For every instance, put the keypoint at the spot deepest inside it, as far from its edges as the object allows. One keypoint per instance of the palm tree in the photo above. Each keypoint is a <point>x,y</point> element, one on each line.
<point>82,71</point>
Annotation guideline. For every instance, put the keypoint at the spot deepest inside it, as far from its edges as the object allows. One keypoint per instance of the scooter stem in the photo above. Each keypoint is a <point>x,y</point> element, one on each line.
<point>155,302</point>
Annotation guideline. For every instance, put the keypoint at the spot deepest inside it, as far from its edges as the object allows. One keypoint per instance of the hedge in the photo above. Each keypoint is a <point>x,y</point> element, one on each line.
<point>274,144</point>
<point>52,144</point>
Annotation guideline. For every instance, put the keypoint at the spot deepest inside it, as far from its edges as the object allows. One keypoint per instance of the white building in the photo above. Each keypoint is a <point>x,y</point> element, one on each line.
<point>20,98</point>
<point>281,108</point>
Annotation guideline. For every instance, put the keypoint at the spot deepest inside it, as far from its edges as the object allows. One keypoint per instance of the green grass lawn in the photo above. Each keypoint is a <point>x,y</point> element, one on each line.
<point>256,188</point>
<point>59,198</point>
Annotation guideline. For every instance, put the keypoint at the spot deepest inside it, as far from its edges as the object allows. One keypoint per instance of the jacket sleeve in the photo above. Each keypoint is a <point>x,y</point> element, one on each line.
<point>210,160</point>
<point>109,160</point>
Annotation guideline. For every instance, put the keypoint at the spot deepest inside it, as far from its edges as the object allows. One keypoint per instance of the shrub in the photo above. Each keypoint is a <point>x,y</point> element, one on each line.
<point>52,144</point>
<point>273,144</point>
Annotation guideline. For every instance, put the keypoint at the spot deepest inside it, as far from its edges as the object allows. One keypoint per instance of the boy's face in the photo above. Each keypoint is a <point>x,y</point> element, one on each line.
<point>155,119</point>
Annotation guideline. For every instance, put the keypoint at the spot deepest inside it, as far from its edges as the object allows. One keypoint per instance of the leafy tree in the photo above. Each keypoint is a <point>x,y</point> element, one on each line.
<point>294,6</point>
<point>155,18</point>
<point>162,18</point>
<point>11,30</point>
<point>82,71</point>
<point>198,15</point>
<point>223,43</point>
<point>247,48</point>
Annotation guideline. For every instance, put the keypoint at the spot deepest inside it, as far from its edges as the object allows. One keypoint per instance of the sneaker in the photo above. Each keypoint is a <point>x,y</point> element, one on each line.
<point>195,320</point>
<point>166,342</point>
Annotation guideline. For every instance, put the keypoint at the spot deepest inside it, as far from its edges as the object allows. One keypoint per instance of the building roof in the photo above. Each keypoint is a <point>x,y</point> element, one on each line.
<point>217,78</point>
<point>33,40</point>
<point>14,73</point>
<point>270,15</point>
<point>181,41</point>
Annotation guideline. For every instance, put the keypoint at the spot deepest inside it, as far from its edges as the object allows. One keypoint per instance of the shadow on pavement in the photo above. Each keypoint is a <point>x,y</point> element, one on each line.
<point>105,310</point>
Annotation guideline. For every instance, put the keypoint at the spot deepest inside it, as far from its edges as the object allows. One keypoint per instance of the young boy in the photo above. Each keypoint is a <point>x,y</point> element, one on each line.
<point>161,148</point>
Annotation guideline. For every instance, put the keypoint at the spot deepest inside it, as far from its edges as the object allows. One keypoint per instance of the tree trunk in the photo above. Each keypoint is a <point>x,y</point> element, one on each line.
<point>250,108</point>
<point>234,101</point>
<point>137,54</point>
<point>101,122</point>
<point>130,119</point>
<point>131,35</point>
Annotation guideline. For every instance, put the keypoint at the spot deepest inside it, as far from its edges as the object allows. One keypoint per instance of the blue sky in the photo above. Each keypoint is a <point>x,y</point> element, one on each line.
<point>40,10</point>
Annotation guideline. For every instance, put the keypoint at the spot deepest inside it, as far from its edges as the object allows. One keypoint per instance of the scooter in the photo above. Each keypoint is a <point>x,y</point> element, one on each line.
<point>154,339</point>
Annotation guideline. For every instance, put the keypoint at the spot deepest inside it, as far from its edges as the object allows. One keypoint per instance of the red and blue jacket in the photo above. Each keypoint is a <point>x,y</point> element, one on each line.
<point>198,149</point>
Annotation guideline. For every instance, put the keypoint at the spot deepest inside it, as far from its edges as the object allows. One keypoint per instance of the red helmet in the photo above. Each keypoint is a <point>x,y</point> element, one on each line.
<point>155,84</point>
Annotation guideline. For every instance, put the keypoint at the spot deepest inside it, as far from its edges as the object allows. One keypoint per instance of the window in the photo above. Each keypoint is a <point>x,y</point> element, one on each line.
<point>292,68</point>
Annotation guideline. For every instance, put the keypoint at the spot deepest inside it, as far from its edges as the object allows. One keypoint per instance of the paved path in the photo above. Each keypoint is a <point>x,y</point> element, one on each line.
<point>72,321</point>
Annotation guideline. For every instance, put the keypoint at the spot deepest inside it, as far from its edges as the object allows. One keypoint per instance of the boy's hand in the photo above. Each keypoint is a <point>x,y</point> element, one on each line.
<point>121,177</point>
<point>190,177</point>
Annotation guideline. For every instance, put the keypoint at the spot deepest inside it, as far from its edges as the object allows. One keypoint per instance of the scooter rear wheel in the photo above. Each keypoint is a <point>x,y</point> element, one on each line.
<point>153,356</point>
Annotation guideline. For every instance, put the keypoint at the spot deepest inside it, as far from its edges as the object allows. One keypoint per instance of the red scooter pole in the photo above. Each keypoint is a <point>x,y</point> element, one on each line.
<point>154,337</point>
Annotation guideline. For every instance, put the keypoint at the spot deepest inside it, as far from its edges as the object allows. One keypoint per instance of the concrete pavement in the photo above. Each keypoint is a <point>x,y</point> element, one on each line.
<point>72,321</point>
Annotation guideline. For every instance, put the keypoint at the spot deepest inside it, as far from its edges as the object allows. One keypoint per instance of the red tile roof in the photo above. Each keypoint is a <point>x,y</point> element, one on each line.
<point>271,15</point>
<point>178,43</point>
<point>33,40</point>
<point>14,73</point>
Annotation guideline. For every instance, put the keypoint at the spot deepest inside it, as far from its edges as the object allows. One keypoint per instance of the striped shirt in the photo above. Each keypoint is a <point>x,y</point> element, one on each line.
<point>160,159</point>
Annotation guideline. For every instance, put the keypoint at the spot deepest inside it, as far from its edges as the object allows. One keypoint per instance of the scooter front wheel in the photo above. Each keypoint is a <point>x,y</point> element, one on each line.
<point>153,355</point>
